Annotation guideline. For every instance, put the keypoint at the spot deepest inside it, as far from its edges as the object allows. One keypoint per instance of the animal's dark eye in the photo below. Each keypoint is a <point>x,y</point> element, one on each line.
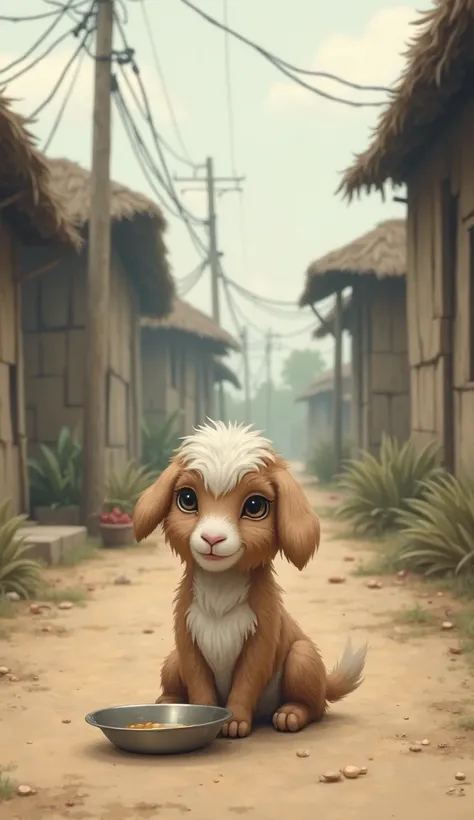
<point>187,500</point>
<point>255,507</point>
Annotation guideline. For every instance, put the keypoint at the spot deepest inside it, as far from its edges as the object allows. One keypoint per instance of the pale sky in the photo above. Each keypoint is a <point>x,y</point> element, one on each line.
<point>290,145</point>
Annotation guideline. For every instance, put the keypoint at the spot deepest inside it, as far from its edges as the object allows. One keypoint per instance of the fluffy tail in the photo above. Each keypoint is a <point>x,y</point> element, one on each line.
<point>347,674</point>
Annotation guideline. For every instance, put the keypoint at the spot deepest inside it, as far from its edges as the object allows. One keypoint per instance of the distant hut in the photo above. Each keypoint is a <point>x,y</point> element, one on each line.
<point>54,316</point>
<point>30,214</point>
<point>223,373</point>
<point>179,364</point>
<point>425,139</point>
<point>374,266</point>
<point>319,399</point>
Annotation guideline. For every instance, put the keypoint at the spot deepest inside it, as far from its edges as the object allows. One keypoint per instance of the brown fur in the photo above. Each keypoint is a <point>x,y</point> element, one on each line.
<point>291,528</point>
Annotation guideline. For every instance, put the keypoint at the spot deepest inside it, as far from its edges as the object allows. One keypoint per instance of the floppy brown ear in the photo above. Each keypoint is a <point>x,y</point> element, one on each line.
<point>298,528</point>
<point>153,505</point>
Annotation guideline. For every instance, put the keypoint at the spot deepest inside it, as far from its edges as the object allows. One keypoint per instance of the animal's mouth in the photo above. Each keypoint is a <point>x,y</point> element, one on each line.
<point>211,556</point>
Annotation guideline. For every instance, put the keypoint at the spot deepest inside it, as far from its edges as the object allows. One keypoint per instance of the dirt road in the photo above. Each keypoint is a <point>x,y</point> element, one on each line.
<point>105,653</point>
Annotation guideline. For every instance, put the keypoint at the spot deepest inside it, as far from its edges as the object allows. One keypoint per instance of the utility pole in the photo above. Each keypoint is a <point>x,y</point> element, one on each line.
<point>95,422</point>
<point>337,409</point>
<point>268,365</point>
<point>211,184</point>
<point>245,358</point>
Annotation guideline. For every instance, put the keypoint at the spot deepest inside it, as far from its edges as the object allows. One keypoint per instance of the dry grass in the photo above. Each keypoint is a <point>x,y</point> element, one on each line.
<point>466,722</point>
<point>416,616</point>
<point>7,609</point>
<point>54,595</point>
<point>88,551</point>
<point>7,784</point>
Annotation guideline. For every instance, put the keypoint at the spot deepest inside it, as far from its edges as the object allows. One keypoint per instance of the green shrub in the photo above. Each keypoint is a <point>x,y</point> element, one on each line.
<point>437,530</point>
<point>322,462</point>
<point>56,476</point>
<point>378,489</point>
<point>159,441</point>
<point>17,573</point>
<point>125,487</point>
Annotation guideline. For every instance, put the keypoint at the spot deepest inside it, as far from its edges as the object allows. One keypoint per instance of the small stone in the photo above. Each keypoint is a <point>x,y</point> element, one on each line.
<point>440,594</point>
<point>426,742</point>
<point>336,579</point>
<point>302,753</point>
<point>46,629</point>
<point>25,791</point>
<point>217,781</point>
<point>373,584</point>
<point>330,777</point>
<point>349,558</point>
<point>363,770</point>
<point>446,625</point>
<point>65,721</point>
<point>351,772</point>
<point>4,670</point>
<point>70,804</point>
<point>13,596</point>
<point>13,678</point>
<point>460,776</point>
<point>402,574</point>
<point>65,605</point>
<point>90,588</point>
<point>415,747</point>
<point>442,745</point>
<point>406,718</point>
<point>122,580</point>
<point>455,650</point>
<point>451,791</point>
<point>35,609</point>
<point>148,631</point>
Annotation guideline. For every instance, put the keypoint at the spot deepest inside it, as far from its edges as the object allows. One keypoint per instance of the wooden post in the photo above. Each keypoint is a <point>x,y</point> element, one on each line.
<point>137,387</point>
<point>337,409</point>
<point>245,358</point>
<point>95,422</point>
<point>20,399</point>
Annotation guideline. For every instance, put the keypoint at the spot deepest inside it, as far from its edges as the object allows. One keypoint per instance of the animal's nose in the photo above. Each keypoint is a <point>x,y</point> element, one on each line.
<point>212,540</point>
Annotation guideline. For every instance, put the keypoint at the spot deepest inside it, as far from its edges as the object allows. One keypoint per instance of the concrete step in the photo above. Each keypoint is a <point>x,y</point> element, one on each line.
<point>51,544</point>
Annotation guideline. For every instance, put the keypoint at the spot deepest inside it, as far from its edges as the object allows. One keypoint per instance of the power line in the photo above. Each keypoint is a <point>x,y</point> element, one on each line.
<point>74,31</point>
<point>159,70</point>
<point>64,103</point>
<point>259,298</point>
<point>32,17</point>
<point>287,69</point>
<point>65,71</point>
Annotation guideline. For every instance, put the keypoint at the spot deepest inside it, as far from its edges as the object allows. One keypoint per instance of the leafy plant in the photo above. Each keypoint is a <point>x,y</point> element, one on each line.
<point>124,488</point>
<point>56,477</point>
<point>378,490</point>
<point>437,530</point>
<point>17,573</point>
<point>159,441</point>
<point>322,462</point>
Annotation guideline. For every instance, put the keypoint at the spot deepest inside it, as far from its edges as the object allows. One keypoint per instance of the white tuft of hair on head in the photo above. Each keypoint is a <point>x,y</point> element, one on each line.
<point>223,453</point>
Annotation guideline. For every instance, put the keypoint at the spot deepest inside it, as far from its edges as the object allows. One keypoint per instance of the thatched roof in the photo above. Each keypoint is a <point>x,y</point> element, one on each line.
<point>324,383</point>
<point>223,373</point>
<point>330,317</point>
<point>438,75</point>
<point>138,228</point>
<point>185,318</point>
<point>381,253</point>
<point>35,212</point>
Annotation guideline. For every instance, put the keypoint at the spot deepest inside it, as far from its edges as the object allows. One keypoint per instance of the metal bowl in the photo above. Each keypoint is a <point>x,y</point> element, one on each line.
<point>199,727</point>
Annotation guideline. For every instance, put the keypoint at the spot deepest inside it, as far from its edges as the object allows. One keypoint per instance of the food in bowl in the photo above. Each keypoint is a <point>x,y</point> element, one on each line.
<point>150,725</point>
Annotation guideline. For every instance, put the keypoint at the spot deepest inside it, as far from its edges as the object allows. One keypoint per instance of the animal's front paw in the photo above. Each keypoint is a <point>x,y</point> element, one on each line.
<point>169,699</point>
<point>291,718</point>
<point>240,724</point>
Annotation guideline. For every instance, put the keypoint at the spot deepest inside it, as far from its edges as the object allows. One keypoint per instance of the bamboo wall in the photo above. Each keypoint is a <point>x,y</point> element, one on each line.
<point>10,377</point>
<point>380,370</point>
<point>177,374</point>
<point>440,301</point>
<point>54,317</point>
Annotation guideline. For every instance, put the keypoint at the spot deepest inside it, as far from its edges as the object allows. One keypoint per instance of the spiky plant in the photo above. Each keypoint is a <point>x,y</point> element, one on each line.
<point>378,489</point>
<point>17,573</point>
<point>125,487</point>
<point>437,531</point>
<point>56,476</point>
<point>322,462</point>
<point>159,441</point>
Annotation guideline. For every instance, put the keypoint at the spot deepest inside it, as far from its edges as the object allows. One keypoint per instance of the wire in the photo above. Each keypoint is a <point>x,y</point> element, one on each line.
<point>186,286</point>
<point>287,69</point>
<point>30,17</point>
<point>64,103</point>
<point>259,298</point>
<point>187,158</point>
<point>296,332</point>
<point>229,95</point>
<point>64,72</point>
<point>75,31</point>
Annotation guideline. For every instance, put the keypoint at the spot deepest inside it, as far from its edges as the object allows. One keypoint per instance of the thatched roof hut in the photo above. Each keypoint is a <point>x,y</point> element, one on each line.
<point>184,318</point>
<point>380,253</point>
<point>223,373</point>
<point>29,205</point>
<point>437,78</point>
<point>138,228</point>
<point>324,383</point>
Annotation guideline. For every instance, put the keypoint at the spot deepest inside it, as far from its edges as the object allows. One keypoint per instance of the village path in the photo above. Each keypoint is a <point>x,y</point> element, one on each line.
<point>102,655</point>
